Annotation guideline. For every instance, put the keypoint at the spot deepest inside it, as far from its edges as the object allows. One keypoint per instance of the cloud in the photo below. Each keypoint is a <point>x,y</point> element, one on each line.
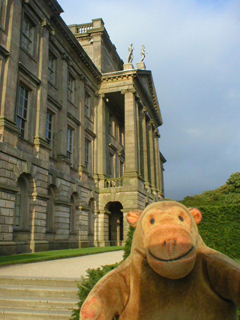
<point>193,51</point>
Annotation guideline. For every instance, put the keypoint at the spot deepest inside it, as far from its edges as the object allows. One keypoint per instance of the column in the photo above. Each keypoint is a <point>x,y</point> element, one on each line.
<point>41,110</point>
<point>131,135</point>
<point>157,158</point>
<point>161,177</point>
<point>151,151</point>
<point>9,63</point>
<point>103,228</point>
<point>102,140</point>
<point>81,136</point>
<point>63,162</point>
<point>138,107</point>
<point>125,225</point>
<point>145,149</point>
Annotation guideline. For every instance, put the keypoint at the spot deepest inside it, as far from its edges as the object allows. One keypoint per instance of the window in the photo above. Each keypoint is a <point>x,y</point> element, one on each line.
<point>111,165</point>
<point>17,216</point>
<point>87,154</point>
<point>27,34</point>
<point>110,128</point>
<point>121,135</point>
<point>51,68</point>
<point>21,211</point>
<point>22,110</point>
<point>49,127</point>
<point>72,215</point>
<point>87,110</point>
<point>121,168</point>
<point>2,13</point>
<point>69,142</point>
<point>50,210</point>
<point>91,222</point>
<point>71,88</point>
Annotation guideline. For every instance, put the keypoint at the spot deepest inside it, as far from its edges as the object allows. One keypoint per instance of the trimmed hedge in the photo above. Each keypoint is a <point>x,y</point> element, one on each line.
<point>219,228</point>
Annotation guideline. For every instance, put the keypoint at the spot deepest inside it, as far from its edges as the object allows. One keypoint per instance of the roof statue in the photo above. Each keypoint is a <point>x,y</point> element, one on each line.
<point>143,53</point>
<point>130,53</point>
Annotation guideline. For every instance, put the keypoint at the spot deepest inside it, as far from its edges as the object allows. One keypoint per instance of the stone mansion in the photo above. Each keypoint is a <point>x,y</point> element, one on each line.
<point>79,138</point>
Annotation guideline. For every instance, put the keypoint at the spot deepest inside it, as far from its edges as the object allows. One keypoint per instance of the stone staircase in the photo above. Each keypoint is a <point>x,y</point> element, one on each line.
<point>24,298</point>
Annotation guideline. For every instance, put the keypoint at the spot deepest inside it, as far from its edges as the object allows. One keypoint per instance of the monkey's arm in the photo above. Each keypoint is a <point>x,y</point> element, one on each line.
<point>109,296</point>
<point>224,275</point>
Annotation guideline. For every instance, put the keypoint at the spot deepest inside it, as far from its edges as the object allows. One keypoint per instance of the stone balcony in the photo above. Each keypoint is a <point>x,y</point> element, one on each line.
<point>114,182</point>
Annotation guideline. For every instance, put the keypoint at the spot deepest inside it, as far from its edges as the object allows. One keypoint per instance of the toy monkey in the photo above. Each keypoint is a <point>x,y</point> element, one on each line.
<point>170,274</point>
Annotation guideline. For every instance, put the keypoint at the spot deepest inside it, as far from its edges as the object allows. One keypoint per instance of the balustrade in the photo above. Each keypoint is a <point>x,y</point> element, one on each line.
<point>113,182</point>
<point>83,28</point>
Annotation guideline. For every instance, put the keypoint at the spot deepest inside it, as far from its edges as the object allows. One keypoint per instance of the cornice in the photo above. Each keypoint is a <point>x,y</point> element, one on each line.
<point>75,120</point>
<point>71,39</point>
<point>119,75</point>
<point>29,73</point>
<point>4,51</point>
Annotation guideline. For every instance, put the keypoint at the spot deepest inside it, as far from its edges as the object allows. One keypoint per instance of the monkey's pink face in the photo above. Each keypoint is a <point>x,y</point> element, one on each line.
<point>170,241</point>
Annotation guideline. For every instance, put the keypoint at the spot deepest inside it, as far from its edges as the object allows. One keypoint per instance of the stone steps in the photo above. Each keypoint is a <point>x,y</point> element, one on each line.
<point>22,314</point>
<point>25,298</point>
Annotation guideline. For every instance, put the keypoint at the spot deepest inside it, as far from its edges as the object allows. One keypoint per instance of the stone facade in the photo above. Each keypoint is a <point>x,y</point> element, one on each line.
<point>78,133</point>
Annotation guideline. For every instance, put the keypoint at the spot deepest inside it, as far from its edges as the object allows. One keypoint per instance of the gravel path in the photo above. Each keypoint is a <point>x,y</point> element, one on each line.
<point>70,268</point>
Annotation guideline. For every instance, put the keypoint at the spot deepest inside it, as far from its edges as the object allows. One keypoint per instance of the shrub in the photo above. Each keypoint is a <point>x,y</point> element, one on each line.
<point>219,228</point>
<point>228,194</point>
<point>128,245</point>
<point>87,283</point>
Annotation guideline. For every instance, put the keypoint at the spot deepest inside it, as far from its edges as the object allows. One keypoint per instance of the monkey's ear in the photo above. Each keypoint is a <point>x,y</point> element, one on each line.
<point>197,216</point>
<point>132,217</point>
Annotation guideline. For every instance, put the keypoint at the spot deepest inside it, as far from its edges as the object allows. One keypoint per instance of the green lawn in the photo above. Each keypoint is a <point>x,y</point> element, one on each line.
<point>52,255</point>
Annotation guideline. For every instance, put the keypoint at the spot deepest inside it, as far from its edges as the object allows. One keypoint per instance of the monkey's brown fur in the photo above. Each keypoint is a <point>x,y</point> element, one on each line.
<point>170,274</point>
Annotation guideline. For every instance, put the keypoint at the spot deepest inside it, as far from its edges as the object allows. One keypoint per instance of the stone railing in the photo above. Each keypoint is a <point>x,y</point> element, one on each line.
<point>83,28</point>
<point>113,182</point>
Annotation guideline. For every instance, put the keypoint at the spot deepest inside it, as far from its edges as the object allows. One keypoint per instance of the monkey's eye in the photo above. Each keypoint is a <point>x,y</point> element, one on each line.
<point>180,218</point>
<point>152,221</point>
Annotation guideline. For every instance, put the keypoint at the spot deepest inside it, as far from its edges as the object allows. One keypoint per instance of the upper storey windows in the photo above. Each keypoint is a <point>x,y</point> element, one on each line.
<point>22,109</point>
<point>49,127</point>
<point>69,143</point>
<point>28,34</point>
<point>87,110</point>
<point>52,61</point>
<point>3,4</point>
<point>71,88</point>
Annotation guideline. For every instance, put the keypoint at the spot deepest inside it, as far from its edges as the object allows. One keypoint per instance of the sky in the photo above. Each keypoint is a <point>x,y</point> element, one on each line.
<point>193,51</point>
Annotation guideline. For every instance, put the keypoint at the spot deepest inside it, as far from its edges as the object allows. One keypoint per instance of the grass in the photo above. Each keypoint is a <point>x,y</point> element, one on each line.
<point>53,255</point>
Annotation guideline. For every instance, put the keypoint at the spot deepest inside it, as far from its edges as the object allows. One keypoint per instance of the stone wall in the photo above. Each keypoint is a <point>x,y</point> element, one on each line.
<point>74,133</point>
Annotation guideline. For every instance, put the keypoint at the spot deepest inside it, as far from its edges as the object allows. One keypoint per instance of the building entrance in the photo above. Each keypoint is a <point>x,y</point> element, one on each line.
<point>115,229</point>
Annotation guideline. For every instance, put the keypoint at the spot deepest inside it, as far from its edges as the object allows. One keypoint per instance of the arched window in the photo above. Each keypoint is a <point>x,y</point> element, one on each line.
<point>72,215</point>
<point>91,217</point>
<point>91,222</point>
<point>50,210</point>
<point>21,213</point>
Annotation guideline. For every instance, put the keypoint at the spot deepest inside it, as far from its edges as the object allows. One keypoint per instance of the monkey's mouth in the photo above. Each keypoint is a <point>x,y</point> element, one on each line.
<point>171,260</point>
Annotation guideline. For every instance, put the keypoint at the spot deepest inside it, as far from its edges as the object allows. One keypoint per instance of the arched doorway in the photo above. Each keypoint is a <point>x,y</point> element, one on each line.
<point>115,226</point>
